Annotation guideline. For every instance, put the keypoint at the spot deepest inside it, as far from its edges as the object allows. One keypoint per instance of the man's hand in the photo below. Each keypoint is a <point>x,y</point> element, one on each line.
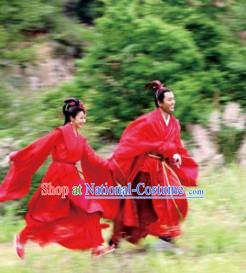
<point>177,160</point>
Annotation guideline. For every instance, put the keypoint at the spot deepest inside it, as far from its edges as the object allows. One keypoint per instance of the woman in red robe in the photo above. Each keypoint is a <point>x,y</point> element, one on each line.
<point>60,216</point>
<point>150,151</point>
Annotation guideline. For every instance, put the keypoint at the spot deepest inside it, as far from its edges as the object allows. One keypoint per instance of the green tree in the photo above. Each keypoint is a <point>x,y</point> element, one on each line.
<point>182,44</point>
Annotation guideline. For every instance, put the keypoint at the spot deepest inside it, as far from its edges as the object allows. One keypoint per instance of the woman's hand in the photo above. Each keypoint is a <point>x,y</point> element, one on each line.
<point>10,156</point>
<point>10,162</point>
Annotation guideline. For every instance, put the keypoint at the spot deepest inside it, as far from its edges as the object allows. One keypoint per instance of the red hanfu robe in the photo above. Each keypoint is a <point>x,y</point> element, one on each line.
<point>137,159</point>
<point>72,221</point>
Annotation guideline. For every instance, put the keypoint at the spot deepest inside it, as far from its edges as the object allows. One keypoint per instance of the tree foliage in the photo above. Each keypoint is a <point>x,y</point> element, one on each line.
<point>185,44</point>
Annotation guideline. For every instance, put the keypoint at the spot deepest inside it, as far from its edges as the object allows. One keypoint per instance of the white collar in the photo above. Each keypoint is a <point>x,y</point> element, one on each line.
<point>166,119</point>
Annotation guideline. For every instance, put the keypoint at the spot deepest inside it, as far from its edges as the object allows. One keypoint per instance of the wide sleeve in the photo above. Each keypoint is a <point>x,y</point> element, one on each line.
<point>94,167</point>
<point>139,138</point>
<point>25,163</point>
<point>96,170</point>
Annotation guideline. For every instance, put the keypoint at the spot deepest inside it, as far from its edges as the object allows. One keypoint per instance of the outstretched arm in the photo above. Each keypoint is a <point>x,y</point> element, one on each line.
<point>24,163</point>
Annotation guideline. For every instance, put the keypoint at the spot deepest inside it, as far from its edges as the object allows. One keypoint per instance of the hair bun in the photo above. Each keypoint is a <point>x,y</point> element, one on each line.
<point>73,102</point>
<point>154,85</point>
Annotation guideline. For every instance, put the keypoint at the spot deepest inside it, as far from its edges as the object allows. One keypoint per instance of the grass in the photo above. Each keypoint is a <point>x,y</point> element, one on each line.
<point>213,239</point>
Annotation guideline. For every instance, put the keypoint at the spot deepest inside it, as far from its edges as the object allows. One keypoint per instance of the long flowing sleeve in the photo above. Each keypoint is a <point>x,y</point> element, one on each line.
<point>25,163</point>
<point>94,167</point>
<point>96,170</point>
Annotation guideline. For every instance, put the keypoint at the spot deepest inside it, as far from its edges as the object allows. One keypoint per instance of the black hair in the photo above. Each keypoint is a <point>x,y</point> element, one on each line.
<point>72,106</point>
<point>159,90</point>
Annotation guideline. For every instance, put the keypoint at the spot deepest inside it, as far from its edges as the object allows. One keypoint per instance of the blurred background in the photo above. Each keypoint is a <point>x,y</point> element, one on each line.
<point>104,51</point>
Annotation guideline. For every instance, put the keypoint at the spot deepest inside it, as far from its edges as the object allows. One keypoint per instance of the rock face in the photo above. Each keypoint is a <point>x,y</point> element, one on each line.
<point>49,73</point>
<point>220,3</point>
<point>243,36</point>
<point>205,151</point>
<point>242,154</point>
<point>47,70</point>
<point>233,116</point>
<point>215,122</point>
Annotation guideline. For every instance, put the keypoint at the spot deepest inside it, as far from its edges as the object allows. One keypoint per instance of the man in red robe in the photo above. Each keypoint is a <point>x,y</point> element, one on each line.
<point>150,152</point>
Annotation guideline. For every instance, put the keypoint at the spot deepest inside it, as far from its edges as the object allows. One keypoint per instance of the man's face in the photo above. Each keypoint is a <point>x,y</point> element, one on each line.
<point>168,103</point>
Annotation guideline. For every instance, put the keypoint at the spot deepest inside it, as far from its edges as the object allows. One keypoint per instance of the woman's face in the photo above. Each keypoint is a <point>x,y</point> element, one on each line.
<point>79,120</point>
